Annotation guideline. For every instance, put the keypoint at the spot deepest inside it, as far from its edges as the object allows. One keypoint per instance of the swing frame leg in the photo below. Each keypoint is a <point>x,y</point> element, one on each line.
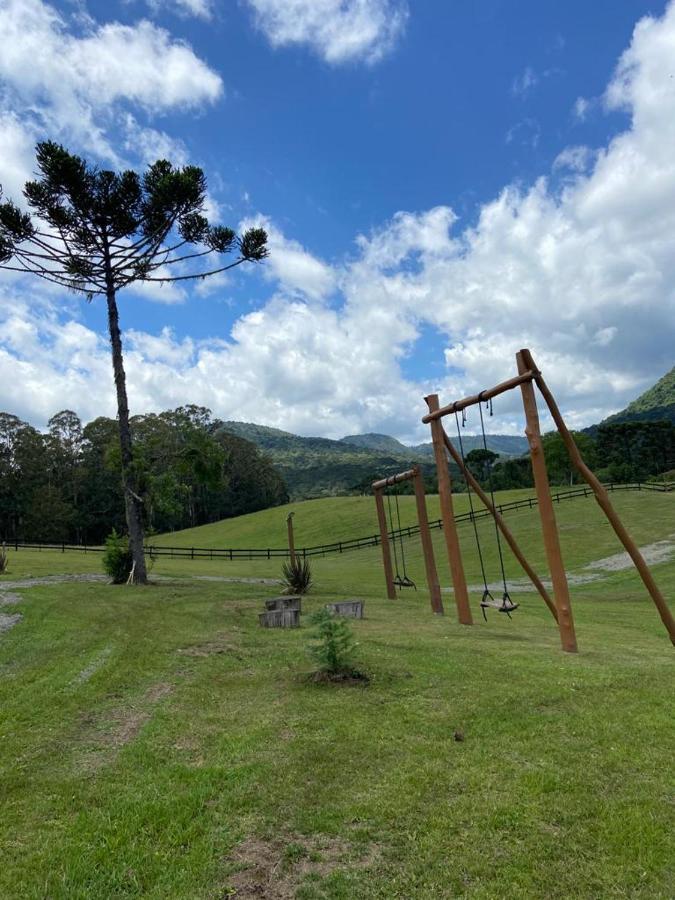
<point>384,542</point>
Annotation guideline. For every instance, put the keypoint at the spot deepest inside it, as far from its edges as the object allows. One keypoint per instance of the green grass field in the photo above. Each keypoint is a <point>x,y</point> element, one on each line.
<point>157,743</point>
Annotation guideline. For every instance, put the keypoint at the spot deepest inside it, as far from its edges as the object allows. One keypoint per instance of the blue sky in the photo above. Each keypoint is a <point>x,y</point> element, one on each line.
<point>443,183</point>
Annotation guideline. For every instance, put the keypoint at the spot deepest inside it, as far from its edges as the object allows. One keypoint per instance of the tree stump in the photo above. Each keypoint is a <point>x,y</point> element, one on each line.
<point>287,601</point>
<point>350,609</point>
<point>280,618</point>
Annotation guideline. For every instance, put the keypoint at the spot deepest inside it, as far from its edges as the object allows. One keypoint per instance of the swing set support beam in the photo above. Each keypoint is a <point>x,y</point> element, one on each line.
<point>602,498</point>
<point>448,517</point>
<point>414,475</point>
<point>501,524</point>
<point>561,609</point>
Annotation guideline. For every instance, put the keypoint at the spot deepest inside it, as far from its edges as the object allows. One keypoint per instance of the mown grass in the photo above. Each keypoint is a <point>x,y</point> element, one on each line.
<point>157,743</point>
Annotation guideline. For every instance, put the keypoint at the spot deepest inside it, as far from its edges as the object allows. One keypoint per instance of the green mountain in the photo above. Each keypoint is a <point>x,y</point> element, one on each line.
<point>658,402</point>
<point>381,443</point>
<point>316,467</point>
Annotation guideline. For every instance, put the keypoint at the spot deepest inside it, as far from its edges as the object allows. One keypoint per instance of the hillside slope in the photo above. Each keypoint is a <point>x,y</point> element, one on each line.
<point>658,402</point>
<point>319,467</point>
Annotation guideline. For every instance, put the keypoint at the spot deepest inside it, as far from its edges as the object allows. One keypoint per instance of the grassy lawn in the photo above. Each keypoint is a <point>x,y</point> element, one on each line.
<point>157,743</point>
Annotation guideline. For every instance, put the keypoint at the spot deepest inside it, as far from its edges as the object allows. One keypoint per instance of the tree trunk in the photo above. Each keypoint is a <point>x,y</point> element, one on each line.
<point>132,502</point>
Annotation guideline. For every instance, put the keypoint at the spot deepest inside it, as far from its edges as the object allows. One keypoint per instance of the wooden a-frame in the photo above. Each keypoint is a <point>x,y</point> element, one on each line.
<point>414,475</point>
<point>560,606</point>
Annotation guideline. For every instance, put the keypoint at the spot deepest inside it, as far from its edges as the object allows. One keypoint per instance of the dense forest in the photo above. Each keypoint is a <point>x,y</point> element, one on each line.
<point>65,484</point>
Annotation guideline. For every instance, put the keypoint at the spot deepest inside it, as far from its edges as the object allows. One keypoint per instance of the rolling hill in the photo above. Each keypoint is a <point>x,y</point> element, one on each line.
<point>320,467</point>
<point>657,403</point>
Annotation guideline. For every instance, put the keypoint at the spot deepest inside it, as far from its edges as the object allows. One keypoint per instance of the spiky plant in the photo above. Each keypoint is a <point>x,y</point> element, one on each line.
<point>297,576</point>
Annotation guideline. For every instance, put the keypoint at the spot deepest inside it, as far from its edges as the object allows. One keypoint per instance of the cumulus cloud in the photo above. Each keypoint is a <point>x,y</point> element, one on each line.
<point>289,263</point>
<point>74,84</point>
<point>338,31</point>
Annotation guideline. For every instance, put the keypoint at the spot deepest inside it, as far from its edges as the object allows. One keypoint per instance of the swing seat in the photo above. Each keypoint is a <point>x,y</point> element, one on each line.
<point>402,581</point>
<point>505,605</point>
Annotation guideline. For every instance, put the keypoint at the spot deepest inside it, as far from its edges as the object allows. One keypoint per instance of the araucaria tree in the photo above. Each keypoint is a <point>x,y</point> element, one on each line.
<point>96,232</point>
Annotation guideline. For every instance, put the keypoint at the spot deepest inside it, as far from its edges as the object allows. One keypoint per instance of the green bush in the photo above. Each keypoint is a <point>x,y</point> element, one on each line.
<point>333,644</point>
<point>117,560</point>
<point>297,576</point>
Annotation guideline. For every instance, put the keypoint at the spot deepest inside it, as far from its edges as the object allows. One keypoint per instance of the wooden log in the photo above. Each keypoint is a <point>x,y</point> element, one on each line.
<point>549,526</point>
<point>291,538</point>
<point>478,398</point>
<point>386,549</point>
<point>508,536</point>
<point>280,618</point>
<point>603,500</point>
<point>394,479</point>
<point>287,601</point>
<point>448,516</point>
<point>349,609</point>
<point>427,545</point>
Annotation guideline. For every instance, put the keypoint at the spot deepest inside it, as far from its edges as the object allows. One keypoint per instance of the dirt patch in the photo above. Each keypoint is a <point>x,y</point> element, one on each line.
<point>276,868</point>
<point>219,645</point>
<point>10,599</point>
<point>121,727</point>
<point>658,552</point>
<point>9,621</point>
<point>93,667</point>
<point>351,676</point>
<point>54,579</point>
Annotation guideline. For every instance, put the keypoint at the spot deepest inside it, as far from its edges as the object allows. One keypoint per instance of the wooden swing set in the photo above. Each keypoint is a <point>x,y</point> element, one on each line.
<point>560,605</point>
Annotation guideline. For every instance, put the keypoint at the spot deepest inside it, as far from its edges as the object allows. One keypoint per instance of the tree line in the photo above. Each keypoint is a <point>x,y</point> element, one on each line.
<point>67,484</point>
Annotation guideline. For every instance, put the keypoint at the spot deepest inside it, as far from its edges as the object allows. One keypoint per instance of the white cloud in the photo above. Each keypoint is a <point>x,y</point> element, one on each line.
<point>200,9</point>
<point>73,85</point>
<point>575,159</point>
<point>524,83</point>
<point>581,108</point>
<point>336,30</point>
<point>291,265</point>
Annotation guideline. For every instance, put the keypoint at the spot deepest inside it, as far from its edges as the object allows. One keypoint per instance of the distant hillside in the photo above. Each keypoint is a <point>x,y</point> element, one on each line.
<point>656,403</point>
<point>315,467</point>
<point>379,442</point>
<point>505,444</point>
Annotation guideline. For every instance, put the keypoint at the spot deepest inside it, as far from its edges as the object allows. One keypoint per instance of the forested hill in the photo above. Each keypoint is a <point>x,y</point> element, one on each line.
<point>313,467</point>
<point>657,403</point>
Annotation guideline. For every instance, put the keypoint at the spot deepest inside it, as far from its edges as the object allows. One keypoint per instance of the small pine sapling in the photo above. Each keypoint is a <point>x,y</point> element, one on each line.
<point>333,644</point>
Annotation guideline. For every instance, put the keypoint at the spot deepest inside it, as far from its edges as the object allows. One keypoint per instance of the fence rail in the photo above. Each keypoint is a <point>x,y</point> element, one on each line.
<point>251,553</point>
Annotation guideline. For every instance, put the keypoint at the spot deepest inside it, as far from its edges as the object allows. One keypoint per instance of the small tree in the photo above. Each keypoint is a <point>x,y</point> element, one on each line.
<point>96,232</point>
<point>333,645</point>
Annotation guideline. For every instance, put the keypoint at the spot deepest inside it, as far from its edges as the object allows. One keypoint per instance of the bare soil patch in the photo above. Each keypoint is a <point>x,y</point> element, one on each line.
<point>9,621</point>
<point>350,676</point>
<point>274,869</point>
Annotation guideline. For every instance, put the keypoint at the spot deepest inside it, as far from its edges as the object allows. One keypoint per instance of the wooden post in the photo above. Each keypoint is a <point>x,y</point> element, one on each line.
<point>448,517</point>
<point>501,524</point>
<point>427,545</point>
<point>384,541</point>
<point>604,502</point>
<point>548,523</point>
<point>291,539</point>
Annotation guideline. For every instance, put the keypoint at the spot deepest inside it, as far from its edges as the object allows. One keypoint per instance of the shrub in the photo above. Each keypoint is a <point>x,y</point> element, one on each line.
<point>297,576</point>
<point>333,643</point>
<point>4,560</point>
<point>117,559</point>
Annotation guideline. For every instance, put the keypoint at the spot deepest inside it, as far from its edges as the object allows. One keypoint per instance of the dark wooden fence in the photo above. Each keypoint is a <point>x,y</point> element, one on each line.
<point>251,553</point>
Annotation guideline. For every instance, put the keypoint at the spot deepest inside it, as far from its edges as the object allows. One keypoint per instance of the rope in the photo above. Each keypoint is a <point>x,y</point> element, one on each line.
<point>492,498</point>
<point>393,543</point>
<point>400,537</point>
<point>468,490</point>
